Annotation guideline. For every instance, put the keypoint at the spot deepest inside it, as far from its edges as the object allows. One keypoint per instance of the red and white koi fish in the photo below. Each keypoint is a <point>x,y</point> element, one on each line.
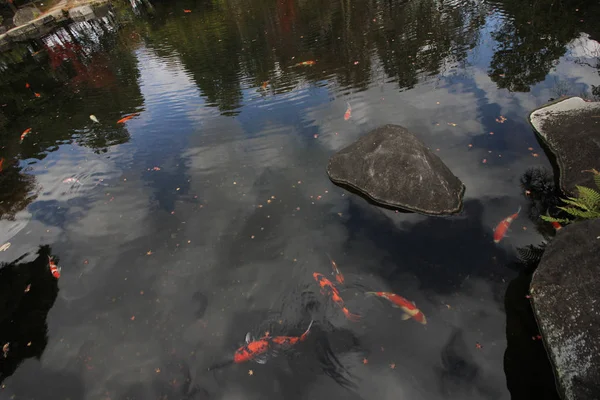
<point>71,180</point>
<point>127,118</point>
<point>308,63</point>
<point>327,289</point>
<point>25,132</point>
<point>409,307</point>
<point>336,271</point>
<point>257,349</point>
<point>37,94</point>
<point>348,113</point>
<point>54,269</point>
<point>502,227</point>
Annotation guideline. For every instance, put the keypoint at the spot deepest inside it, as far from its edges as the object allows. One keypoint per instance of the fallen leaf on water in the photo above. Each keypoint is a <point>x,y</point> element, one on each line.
<point>149,252</point>
<point>133,318</point>
<point>393,366</point>
<point>250,372</point>
<point>315,136</point>
<point>478,346</point>
<point>5,349</point>
<point>491,133</point>
<point>157,370</point>
<point>28,288</point>
<point>527,192</point>
<point>448,306</point>
<point>524,228</point>
<point>470,145</point>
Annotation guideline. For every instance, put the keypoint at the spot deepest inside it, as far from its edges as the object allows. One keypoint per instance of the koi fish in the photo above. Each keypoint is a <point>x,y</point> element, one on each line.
<point>187,11</point>
<point>257,349</point>
<point>327,289</point>
<point>27,85</point>
<point>338,275</point>
<point>127,118</point>
<point>94,119</point>
<point>348,113</point>
<point>264,85</point>
<point>308,63</point>
<point>409,308</point>
<point>71,180</point>
<point>502,227</point>
<point>37,94</point>
<point>290,340</point>
<point>556,225</point>
<point>54,269</point>
<point>1,162</point>
<point>25,132</point>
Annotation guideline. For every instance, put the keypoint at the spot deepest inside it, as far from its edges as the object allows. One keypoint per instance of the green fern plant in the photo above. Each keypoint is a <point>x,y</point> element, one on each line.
<point>585,206</point>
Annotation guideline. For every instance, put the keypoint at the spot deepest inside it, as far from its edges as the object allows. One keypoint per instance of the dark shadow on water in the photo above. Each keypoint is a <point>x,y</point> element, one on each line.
<point>526,365</point>
<point>440,252</point>
<point>27,293</point>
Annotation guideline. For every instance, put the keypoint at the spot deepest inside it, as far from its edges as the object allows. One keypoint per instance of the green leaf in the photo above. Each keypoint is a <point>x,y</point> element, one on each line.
<point>552,219</point>
<point>589,197</point>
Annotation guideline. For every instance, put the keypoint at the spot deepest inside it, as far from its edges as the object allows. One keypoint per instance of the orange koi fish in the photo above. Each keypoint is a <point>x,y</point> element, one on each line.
<point>290,340</point>
<point>257,349</point>
<point>1,163</point>
<point>327,289</point>
<point>409,308</point>
<point>25,132</point>
<point>556,225</point>
<point>27,85</point>
<point>37,94</point>
<point>308,63</point>
<point>54,269</point>
<point>187,11</point>
<point>502,227</point>
<point>348,113</point>
<point>338,275</point>
<point>264,85</point>
<point>127,118</point>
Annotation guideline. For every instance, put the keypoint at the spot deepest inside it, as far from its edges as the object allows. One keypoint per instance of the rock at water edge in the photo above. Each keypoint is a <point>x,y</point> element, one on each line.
<point>565,292</point>
<point>571,129</point>
<point>392,167</point>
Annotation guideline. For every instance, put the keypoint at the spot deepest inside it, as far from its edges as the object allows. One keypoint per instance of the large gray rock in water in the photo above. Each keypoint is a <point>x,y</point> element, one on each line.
<point>565,292</point>
<point>26,15</point>
<point>392,167</point>
<point>571,129</point>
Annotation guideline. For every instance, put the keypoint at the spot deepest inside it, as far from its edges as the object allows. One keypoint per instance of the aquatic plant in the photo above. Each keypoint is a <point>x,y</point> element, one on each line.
<point>585,206</point>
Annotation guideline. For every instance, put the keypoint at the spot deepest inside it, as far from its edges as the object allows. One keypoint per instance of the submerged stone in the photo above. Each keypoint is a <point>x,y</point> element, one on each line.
<point>565,292</point>
<point>571,129</point>
<point>392,167</point>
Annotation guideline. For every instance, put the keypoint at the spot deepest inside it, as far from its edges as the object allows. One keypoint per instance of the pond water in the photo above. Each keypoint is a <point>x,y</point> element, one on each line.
<point>204,216</point>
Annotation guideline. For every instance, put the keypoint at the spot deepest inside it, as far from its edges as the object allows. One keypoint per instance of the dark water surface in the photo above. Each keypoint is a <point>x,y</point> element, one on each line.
<point>205,216</point>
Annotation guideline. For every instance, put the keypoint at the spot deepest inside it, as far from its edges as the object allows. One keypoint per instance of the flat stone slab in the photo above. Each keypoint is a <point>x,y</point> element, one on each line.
<point>565,292</point>
<point>392,167</point>
<point>571,129</point>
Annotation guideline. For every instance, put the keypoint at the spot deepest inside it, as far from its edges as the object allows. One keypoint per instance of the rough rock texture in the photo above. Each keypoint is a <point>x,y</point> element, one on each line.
<point>392,167</point>
<point>565,293</point>
<point>571,129</point>
<point>25,15</point>
<point>82,13</point>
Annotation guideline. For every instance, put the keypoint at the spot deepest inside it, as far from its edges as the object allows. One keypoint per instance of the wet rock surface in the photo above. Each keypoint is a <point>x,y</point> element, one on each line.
<point>571,129</point>
<point>391,167</point>
<point>565,295</point>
